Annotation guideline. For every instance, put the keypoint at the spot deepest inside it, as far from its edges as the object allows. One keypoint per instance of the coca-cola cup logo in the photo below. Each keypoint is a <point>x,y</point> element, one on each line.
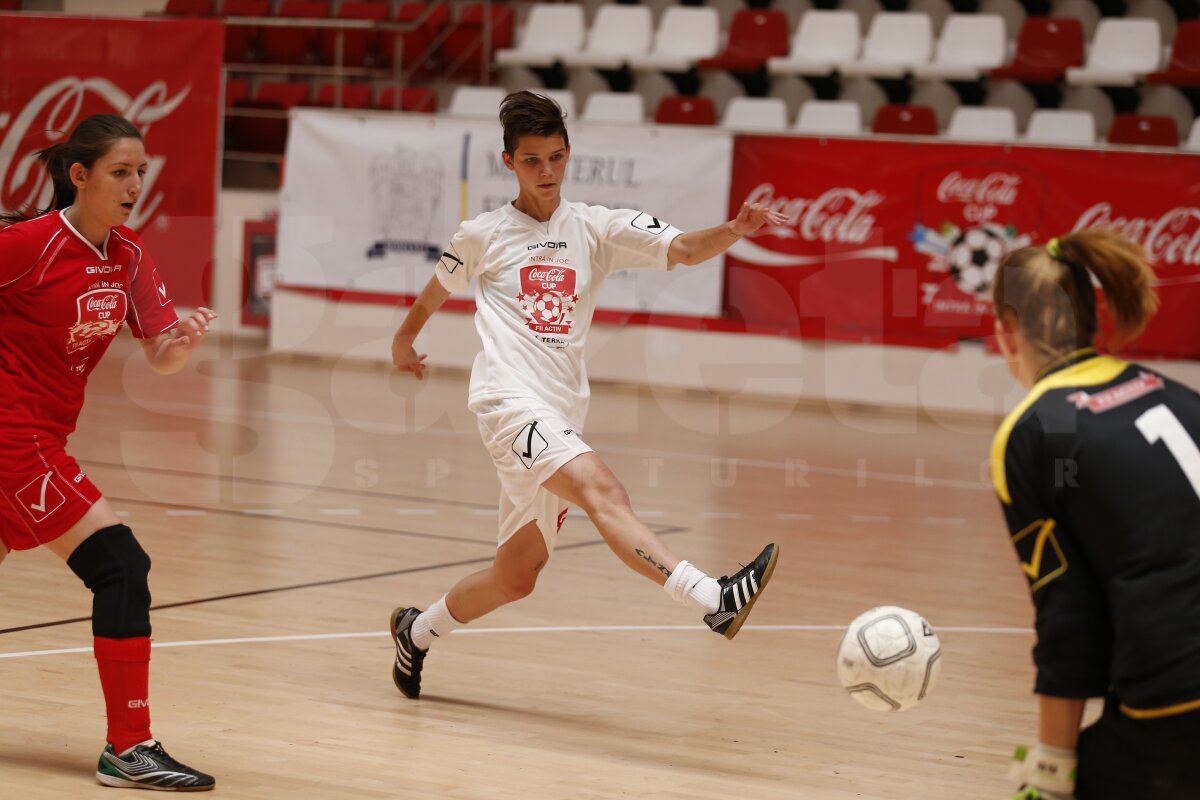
<point>101,304</point>
<point>838,215</point>
<point>1171,238</point>
<point>980,197</point>
<point>554,276</point>
<point>49,117</point>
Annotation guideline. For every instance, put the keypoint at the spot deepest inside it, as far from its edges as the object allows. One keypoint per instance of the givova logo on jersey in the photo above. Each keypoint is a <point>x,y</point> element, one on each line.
<point>548,298</point>
<point>101,312</point>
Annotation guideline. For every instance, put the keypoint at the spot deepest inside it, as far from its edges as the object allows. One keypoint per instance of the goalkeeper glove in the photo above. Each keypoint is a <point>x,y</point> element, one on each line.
<point>1048,773</point>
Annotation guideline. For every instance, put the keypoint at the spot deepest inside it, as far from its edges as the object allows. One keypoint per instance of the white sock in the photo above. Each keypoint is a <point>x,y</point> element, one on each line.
<point>434,622</point>
<point>691,586</point>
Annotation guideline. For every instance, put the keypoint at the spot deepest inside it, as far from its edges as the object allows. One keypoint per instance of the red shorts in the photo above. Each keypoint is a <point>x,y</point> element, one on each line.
<point>45,491</point>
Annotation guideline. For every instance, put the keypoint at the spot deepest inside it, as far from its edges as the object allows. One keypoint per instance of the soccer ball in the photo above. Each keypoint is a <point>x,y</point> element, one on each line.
<point>974,257</point>
<point>889,658</point>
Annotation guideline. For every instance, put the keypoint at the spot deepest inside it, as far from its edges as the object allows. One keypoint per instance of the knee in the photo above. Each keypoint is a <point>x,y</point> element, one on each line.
<point>604,495</point>
<point>516,585</point>
<point>113,565</point>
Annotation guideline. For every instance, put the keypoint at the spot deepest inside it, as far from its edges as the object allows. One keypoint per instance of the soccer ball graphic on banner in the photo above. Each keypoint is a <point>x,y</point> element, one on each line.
<point>889,658</point>
<point>974,257</point>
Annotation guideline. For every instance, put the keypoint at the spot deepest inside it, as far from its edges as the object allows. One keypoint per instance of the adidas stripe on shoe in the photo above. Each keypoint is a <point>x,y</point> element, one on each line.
<point>740,591</point>
<point>406,670</point>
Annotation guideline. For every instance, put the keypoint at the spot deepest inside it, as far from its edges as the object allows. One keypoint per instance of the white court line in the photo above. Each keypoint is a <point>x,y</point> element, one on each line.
<point>416,512</point>
<point>213,412</point>
<point>312,637</point>
<point>868,518</point>
<point>263,512</point>
<point>341,512</point>
<point>186,512</point>
<point>802,517</point>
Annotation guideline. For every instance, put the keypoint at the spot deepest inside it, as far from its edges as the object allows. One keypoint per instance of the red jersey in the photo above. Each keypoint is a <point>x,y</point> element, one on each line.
<point>61,303</point>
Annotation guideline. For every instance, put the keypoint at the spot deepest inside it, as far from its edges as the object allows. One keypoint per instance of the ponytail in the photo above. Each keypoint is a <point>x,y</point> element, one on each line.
<point>90,140</point>
<point>1048,290</point>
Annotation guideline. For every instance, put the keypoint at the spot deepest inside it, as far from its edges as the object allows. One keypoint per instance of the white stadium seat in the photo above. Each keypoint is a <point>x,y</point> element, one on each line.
<point>831,117</point>
<point>614,107</point>
<point>980,124</point>
<point>617,34</point>
<point>1061,126</point>
<point>551,32</point>
<point>476,101</point>
<point>755,114</point>
<point>896,43</point>
<point>970,44</point>
<point>822,40</point>
<point>685,35</point>
<point>1122,51</point>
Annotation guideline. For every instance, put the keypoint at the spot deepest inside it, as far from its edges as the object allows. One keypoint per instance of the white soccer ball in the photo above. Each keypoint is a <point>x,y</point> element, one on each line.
<point>889,658</point>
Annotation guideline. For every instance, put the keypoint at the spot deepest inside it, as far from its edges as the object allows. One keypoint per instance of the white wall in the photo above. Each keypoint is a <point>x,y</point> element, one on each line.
<point>112,8</point>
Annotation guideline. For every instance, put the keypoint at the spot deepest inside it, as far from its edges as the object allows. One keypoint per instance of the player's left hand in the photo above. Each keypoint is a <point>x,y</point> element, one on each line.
<point>753,216</point>
<point>192,330</point>
<point>194,327</point>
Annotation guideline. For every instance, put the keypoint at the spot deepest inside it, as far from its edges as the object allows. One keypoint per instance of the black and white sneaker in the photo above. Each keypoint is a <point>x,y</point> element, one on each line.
<point>739,593</point>
<point>406,672</point>
<point>147,766</point>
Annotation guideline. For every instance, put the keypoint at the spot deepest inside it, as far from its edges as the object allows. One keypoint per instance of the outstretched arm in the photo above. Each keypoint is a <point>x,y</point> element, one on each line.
<point>699,246</point>
<point>404,356</point>
<point>169,351</point>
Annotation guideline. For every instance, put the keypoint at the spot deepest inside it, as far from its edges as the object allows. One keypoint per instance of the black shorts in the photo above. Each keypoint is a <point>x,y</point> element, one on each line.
<point>1121,758</point>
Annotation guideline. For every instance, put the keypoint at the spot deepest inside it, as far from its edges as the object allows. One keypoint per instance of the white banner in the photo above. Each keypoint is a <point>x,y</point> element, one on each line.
<point>369,202</point>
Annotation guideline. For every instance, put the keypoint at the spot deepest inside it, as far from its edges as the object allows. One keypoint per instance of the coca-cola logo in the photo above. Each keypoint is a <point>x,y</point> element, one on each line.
<point>49,117</point>
<point>548,275</point>
<point>1170,238</point>
<point>838,215</point>
<point>995,189</point>
<point>107,303</point>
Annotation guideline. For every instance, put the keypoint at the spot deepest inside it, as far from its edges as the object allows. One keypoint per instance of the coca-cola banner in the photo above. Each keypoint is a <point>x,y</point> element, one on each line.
<point>165,77</point>
<point>898,241</point>
<point>369,203</point>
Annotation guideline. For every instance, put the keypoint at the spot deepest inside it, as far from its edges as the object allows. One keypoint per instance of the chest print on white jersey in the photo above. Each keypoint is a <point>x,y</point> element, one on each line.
<point>548,299</point>
<point>101,312</point>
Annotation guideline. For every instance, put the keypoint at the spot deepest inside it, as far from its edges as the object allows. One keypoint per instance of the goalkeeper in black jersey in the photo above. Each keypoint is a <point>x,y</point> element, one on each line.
<point>1098,472</point>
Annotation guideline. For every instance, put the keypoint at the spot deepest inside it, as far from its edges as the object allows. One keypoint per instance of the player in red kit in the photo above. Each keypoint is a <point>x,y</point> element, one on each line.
<point>69,279</point>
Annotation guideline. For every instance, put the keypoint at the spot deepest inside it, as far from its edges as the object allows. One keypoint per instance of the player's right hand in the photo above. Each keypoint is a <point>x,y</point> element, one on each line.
<point>1045,773</point>
<point>406,358</point>
<point>1033,793</point>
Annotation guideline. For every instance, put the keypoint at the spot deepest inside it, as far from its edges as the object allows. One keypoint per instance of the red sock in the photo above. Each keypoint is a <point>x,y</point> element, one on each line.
<point>124,666</point>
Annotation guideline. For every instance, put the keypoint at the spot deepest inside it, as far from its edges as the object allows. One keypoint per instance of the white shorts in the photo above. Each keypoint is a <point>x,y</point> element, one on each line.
<point>528,442</point>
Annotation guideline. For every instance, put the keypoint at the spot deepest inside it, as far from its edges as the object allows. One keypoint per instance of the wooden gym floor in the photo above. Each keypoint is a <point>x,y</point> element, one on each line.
<point>289,504</point>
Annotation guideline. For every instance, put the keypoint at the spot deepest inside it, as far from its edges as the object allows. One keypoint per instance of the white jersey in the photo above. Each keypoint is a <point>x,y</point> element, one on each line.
<point>535,291</point>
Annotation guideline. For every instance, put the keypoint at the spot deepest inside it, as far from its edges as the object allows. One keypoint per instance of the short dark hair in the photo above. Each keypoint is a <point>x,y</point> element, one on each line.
<point>529,114</point>
<point>90,140</point>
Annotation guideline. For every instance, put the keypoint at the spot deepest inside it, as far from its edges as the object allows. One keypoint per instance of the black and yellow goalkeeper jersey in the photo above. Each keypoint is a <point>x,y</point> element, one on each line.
<point>1098,472</point>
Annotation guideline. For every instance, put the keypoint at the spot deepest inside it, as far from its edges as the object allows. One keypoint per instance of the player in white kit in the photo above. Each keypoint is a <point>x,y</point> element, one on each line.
<point>538,264</point>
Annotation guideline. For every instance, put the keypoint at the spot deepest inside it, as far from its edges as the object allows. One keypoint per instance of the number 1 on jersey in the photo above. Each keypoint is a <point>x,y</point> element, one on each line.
<point>1159,423</point>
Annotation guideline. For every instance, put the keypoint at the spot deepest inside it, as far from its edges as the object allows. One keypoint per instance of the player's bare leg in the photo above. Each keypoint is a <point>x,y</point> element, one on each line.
<point>512,575</point>
<point>586,481</point>
<point>3,552</point>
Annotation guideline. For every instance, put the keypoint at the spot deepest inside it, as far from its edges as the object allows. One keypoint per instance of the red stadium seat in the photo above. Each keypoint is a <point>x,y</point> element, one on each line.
<point>754,36</point>
<point>463,50</point>
<point>294,45</point>
<point>267,133</point>
<point>177,8</point>
<point>415,45</point>
<point>1150,130</point>
<point>411,98</point>
<point>360,48</point>
<point>1046,47</point>
<point>242,42</point>
<point>675,109</point>
<point>354,95</point>
<point>236,89</point>
<point>1184,67</point>
<point>905,120</point>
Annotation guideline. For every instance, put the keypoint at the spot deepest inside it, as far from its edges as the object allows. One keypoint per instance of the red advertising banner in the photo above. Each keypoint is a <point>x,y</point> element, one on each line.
<point>165,77</point>
<point>897,242</point>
